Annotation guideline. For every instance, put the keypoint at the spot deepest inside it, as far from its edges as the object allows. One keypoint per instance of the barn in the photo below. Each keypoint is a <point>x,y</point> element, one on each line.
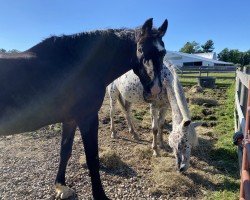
<point>195,60</point>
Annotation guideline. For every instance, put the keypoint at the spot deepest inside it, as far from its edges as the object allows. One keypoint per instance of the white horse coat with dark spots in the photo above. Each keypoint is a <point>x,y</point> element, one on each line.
<point>127,89</point>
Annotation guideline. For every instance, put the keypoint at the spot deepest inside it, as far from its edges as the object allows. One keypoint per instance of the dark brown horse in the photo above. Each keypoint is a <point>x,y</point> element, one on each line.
<point>63,79</point>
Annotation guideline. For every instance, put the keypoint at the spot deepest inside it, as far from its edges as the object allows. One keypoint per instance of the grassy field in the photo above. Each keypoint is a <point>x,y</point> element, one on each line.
<point>221,153</point>
<point>219,82</point>
<point>221,74</point>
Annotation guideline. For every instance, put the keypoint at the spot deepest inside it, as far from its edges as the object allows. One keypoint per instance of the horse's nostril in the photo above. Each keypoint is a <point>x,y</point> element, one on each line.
<point>182,168</point>
<point>155,90</point>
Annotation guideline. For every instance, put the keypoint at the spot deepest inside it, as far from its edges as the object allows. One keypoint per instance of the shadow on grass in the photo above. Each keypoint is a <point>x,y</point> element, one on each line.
<point>224,160</point>
<point>202,182</point>
<point>122,170</point>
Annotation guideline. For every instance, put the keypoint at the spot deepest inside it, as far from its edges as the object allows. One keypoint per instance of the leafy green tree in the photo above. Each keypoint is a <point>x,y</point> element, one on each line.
<point>208,46</point>
<point>235,56</point>
<point>246,58</point>
<point>10,51</point>
<point>13,51</point>
<point>191,47</point>
<point>224,55</point>
<point>3,51</point>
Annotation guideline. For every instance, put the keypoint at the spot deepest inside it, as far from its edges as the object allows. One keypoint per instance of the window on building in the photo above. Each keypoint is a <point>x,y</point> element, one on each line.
<point>192,64</point>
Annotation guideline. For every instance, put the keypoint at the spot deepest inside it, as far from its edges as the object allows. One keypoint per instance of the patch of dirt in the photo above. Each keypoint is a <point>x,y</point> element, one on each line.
<point>204,101</point>
<point>29,162</point>
<point>196,89</point>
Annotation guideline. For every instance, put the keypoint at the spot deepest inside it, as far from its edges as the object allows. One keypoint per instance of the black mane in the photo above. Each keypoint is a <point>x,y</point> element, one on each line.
<point>68,41</point>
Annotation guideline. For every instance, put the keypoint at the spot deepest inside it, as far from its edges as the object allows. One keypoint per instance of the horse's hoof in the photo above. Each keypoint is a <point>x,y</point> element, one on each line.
<point>136,137</point>
<point>113,135</point>
<point>63,192</point>
<point>155,153</point>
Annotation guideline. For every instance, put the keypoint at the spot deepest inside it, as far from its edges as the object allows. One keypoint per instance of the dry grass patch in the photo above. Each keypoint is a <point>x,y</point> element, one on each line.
<point>143,152</point>
<point>110,159</point>
<point>202,101</point>
<point>196,89</point>
<point>170,182</point>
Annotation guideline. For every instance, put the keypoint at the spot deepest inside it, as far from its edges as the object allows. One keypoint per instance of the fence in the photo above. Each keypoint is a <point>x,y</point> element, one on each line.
<point>242,123</point>
<point>196,72</point>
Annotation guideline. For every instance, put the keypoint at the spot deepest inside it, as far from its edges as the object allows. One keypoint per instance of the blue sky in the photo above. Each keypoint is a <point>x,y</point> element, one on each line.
<point>23,23</point>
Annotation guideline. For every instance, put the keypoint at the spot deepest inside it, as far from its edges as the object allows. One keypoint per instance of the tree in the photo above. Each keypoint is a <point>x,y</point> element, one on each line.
<point>246,58</point>
<point>190,47</point>
<point>235,56</point>
<point>13,51</point>
<point>10,51</point>
<point>224,55</point>
<point>3,51</point>
<point>208,46</point>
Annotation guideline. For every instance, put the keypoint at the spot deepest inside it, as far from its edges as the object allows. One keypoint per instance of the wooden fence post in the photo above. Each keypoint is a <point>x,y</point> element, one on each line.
<point>245,178</point>
<point>243,95</point>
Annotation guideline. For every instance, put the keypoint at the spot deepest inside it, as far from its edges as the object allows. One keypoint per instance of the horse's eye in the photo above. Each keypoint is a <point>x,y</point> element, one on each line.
<point>140,50</point>
<point>162,53</point>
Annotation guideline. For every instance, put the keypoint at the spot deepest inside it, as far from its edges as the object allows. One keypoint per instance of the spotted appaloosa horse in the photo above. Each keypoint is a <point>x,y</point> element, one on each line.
<point>127,89</point>
<point>63,79</point>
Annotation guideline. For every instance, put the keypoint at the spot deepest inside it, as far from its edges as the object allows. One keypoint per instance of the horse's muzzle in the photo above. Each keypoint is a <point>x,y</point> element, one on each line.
<point>155,90</point>
<point>148,97</point>
<point>183,168</point>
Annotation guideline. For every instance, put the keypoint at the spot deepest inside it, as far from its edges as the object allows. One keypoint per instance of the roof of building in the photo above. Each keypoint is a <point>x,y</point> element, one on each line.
<point>209,55</point>
<point>195,56</point>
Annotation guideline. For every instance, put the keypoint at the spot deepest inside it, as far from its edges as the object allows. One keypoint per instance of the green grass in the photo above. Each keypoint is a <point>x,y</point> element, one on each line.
<point>219,82</point>
<point>210,74</point>
<point>223,154</point>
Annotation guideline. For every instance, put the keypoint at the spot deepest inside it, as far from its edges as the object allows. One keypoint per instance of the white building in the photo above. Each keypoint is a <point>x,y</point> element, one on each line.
<point>195,60</point>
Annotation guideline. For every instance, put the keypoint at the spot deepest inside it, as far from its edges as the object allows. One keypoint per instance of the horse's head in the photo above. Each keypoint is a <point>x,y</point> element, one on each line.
<point>182,139</point>
<point>150,54</point>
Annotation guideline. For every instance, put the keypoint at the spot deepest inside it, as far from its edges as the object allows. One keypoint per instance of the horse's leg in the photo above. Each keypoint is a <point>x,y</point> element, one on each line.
<point>131,125</point>
<point>89,132</point>
<point>112,113</point>
<point>68,133</point>
<point>126,108</point>
<point>154,116</point>
<point>162,114</point>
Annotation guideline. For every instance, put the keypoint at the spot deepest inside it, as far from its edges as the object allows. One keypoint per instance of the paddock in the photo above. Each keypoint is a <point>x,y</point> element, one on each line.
<point>28,162</point>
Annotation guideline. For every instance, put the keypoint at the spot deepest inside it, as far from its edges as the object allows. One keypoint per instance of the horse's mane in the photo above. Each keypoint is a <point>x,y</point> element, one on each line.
<point>69,40</point>
<point>192,133</point>
<point>172,67</point>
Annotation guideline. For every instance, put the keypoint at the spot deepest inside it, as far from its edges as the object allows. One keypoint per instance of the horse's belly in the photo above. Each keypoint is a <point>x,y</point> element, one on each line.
<point>29,118</point>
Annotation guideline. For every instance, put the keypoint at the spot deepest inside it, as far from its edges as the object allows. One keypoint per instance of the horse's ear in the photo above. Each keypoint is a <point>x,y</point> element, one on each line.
<point>163,28</point>
<point>147,26</point>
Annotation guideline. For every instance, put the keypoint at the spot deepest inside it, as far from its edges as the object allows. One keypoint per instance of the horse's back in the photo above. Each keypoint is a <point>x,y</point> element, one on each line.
<point>28,98</point>
<point>130,87</point>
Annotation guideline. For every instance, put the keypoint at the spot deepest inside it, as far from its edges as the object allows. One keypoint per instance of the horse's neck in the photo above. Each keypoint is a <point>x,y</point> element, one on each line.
<point>176,113</point>
<point>124,59</point>
<point>175,91</point>
<point>170,85</point>
<point>114,52</point>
